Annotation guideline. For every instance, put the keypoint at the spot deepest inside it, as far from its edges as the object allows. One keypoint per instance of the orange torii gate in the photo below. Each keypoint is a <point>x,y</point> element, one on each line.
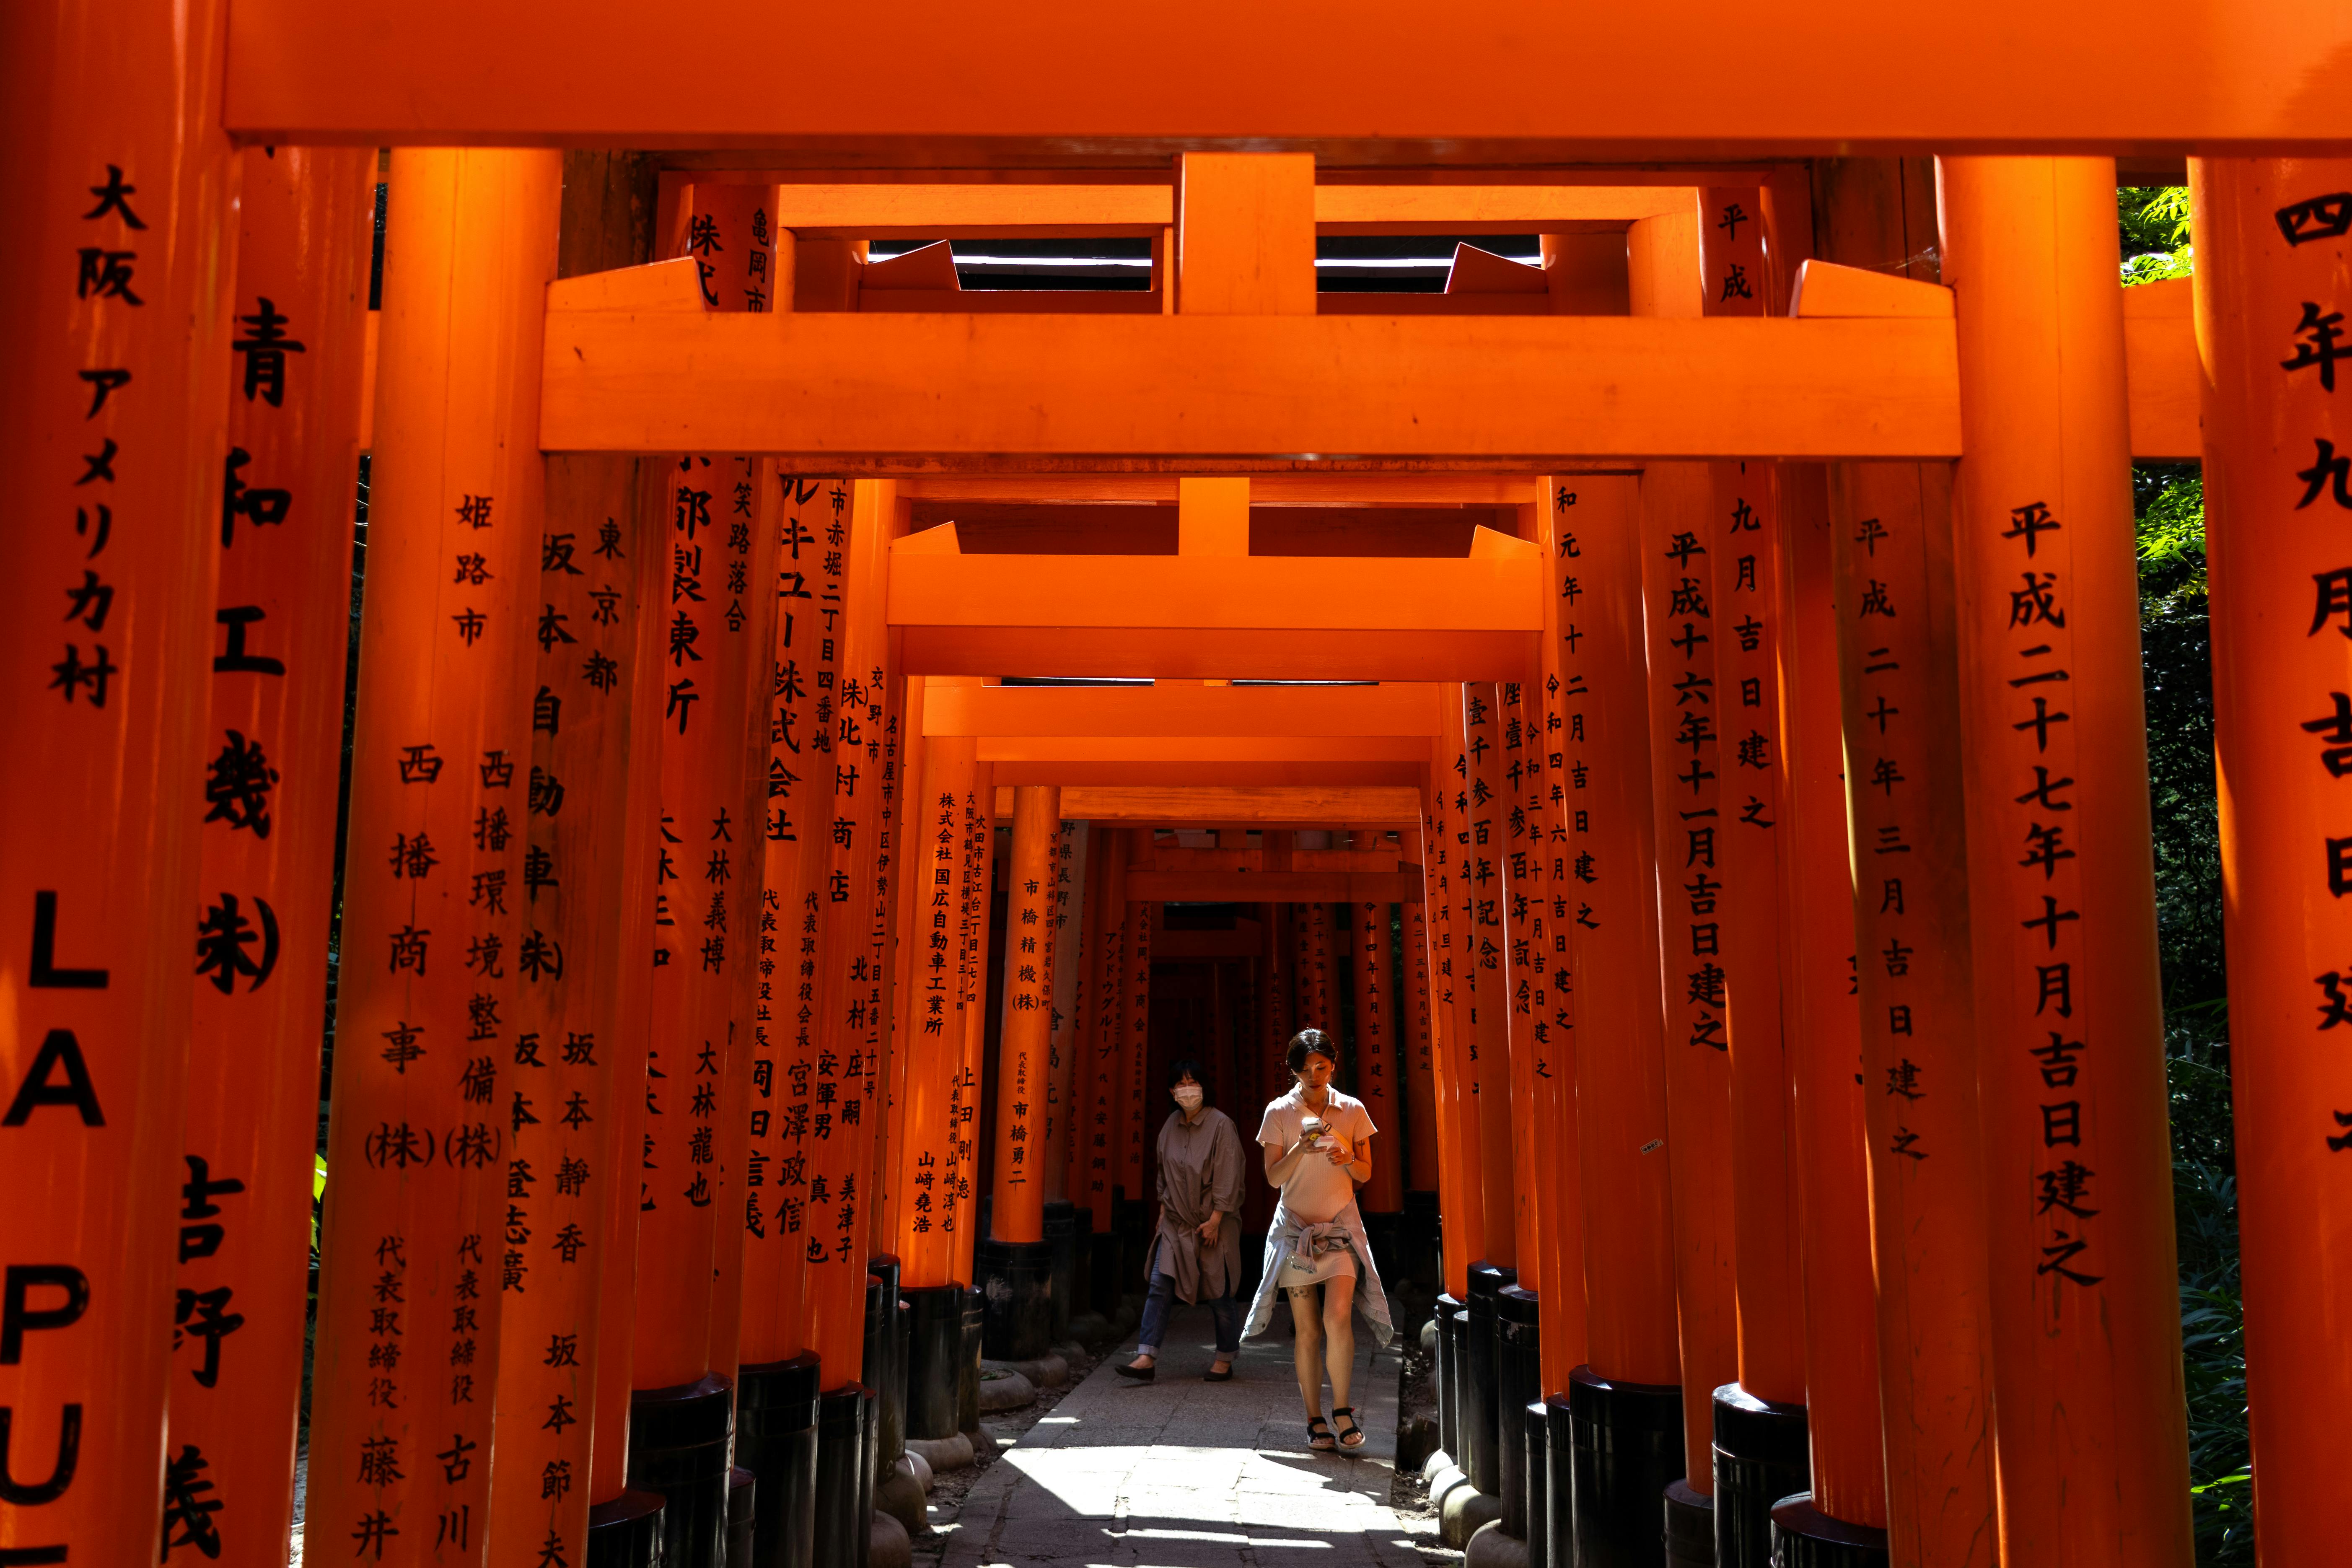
<point>1944,460</point>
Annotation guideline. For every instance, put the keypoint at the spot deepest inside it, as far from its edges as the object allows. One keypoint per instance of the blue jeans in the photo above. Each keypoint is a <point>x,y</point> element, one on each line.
<point>1226,1310</point>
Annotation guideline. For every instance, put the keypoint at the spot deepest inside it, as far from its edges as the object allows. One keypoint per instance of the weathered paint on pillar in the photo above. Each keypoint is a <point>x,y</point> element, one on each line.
<point>2083,1273</point>
<point>272,755</point>
<point>413,1274</point>
<point>1890,526</point>
<point>1484,897</point>
<point>1376,1054</point>
<point>120,268</point>
<point>805,666</point>
<point>1135,1043</point>
<point>562,1169</point>
<point>2269,236</point>
<point>1544,792</point>
<point>1824,1025</point>
<point>1017,1214</point>
<point>1420,1081</point>
<point>1680,538</point>
<point>1621,1107</point>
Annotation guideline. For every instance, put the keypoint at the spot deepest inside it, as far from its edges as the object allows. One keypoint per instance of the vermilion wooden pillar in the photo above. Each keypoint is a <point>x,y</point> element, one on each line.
<point>979,872</point>
<point>1016,1216</point>
<point>795,832</point>
<point>1462,1193</point>
<point>2083,1272</point>
<point>933,1018</point>
<point>562,1169</point>
<point>613,1505</point>
<point>272,755</point>
<point>1824,1024</point>
<point>2269,236</point>
<point>1689,721</point>
<point>1068,964</point>
<point>1419,1084</point>
<point>1759,1428</point>
<point>1485,950</point>
<point>413,1271</point>
<point>1629,1383</point>
<point>1134,1069</point>
<point>1099,1082</point>
<point>119,314</point>
<point>1544,794</point>
<point>1890,526</point>
<point>1369,968</point>
<point>1517,845</point>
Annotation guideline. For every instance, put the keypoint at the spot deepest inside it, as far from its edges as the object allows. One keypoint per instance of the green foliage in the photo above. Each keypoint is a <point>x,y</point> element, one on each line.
<point>2176,668</point>
<point>2154,221</point>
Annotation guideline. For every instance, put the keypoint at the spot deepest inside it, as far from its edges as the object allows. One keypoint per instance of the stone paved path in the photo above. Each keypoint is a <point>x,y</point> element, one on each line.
<point>1180,1473</point>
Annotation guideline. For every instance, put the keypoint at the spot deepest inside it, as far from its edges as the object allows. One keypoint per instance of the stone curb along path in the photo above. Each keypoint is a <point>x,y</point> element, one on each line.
<point>1183,1472</point>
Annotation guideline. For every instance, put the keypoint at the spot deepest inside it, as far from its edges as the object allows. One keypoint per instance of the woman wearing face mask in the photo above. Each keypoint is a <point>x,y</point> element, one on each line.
<point>1317,1150</point>
<point>1196,1256</point>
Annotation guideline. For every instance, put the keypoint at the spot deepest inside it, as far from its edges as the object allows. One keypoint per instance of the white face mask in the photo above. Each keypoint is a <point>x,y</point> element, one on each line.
<point>1189,1097</point>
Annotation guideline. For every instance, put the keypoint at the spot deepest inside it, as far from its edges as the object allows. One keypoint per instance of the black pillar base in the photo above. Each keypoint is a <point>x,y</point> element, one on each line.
<point>870,1472</point>
<point>1450,1373</point>
<point>886,1361</point>
<point>841,1528</point>
<point>1480,1417</point>
<point>934,1359</point>
<point>1518,1378</point>
<point>1690,1527</point>
<point>681,1445</point>
<point>775,1439</point>
<point>1626,1448</point>
<point>1420,1241</point>
<point>743,1514</point>
<point>975,1308</point>
<point>1760,1456</point>
<point>1016,1278</point>
<point>1062,1246</point>
<point>625,1532</point>
<point>1560,1485</point>
<point>1534,1475</point>
<point>1805,1537</point>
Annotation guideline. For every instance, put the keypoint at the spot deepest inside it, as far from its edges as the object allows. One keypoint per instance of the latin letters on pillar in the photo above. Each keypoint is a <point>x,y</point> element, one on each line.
<point>60,1052</point>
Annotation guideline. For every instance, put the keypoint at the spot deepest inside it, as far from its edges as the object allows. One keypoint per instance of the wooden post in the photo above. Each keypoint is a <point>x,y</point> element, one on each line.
<point>804,671</point>
<point>1890,527</point>
<point>979,872</point>
<point>2268,239</point>
<point>1017,1214</point>
<point>1824,1027</point>
<point>1463,1194</point>
<point>1544,796</point>
<point>1485,950</point>
<point>413,1268</point>
<point>1746,542</point>
<point>1419,1080</point>
<point>119,367</point>
<point>1687,761</point>
<point>1376,1054</point>
<point>1613,952</point>
<point>272,753</point>
<point>2084,1274</point>
<point>1245,234</point>
<point>931,1021</point>
<point>1134,1054</point>
<point>1070,953</point>
<point>1102,1120</point>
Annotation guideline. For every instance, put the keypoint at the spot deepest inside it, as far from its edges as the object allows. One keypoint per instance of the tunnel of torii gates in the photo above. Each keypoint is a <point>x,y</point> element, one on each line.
<point>1690,750</point>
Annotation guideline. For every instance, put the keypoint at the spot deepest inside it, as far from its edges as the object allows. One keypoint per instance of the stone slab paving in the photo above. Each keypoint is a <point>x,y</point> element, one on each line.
<point>1179,1473</point>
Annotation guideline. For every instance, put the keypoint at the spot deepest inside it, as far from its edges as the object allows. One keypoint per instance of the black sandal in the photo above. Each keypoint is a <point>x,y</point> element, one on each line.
<point>1140,1373</point>
<point>1354,1429</point>
<point>1319,1440</point>
<point>1214,1376</point>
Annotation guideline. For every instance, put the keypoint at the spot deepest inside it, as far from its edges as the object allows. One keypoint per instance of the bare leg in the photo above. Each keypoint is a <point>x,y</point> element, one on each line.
<point>1307,1348</point>
<point>1339,1328</point>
